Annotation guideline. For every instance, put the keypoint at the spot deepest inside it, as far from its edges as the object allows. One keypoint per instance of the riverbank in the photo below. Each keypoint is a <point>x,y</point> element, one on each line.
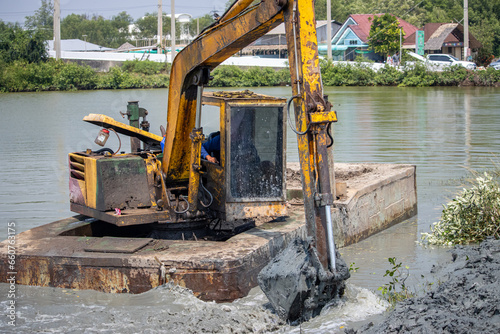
<point>63,76</point>
<point>465,301</point>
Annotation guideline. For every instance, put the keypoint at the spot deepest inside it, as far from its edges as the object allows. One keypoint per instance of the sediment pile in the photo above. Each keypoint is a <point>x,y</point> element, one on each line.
<point>468,300</point>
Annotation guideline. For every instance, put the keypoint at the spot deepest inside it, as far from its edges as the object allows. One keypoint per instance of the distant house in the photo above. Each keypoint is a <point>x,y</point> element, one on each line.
<point>352,37</point>
<point>183,20</point>
<point>444,38</point>
<point>273,44</point>
<point>77,45</point>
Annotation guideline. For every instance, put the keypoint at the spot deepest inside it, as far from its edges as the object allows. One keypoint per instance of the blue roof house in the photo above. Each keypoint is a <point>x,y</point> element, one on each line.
<point>351,39</point>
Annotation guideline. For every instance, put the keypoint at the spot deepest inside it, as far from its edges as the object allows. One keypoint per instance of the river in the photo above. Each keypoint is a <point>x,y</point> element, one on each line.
<point>443,131</point>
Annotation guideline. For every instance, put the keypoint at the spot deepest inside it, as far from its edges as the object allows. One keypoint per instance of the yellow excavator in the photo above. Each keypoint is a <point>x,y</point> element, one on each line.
<point>173,186</point>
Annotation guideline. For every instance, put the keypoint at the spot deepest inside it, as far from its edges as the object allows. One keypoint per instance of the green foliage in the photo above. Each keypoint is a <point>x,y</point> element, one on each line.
<point>472,216</point>
<point>352,267</point>
<point>451,76</point>
<point>342,74</point>
<point>233,76</point>
<point>147,26</point>
<point>384,34</point>
<point>488,77</point>
<point>21,76</point>
<point>42,20</point>
<point>18,44</point>
<point>418,76</point>
<point>72,76</point>
<point>396,289</point>
<point>204,22</point>
<point>260,76</point>
<point>389,76</point>
<point>118,79</point>
<point>146,67</point>
<point>227,76</point>
<point>110,33</point>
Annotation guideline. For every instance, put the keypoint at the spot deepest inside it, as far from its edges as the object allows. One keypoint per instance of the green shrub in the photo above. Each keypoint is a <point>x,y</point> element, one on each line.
<point>471,217</point>
<point>260,76</point>
<point>451,76</point>
<point>488,77</point>
<point>146,67</point>
<point>344,74</point>
<point>227,76</point>
<point>388,76</point>
<point>418,76</point>
<point>18,76</point>
<point>118,79</point>
<point>22,76</point>
<point>398,276</point>
<point>73,77</point>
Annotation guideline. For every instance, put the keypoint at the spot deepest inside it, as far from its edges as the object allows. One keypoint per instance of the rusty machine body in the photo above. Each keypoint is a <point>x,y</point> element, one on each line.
<point>175,187</point>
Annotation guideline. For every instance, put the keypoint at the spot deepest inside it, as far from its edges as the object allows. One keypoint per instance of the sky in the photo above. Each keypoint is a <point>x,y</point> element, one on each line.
<point>17,10</point>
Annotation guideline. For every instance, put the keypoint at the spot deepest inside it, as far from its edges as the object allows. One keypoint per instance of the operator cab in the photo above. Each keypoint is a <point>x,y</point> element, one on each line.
<point>249,180</point>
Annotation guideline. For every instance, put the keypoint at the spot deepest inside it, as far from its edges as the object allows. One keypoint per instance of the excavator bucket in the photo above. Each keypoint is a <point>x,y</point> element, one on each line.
<point>297,284</point>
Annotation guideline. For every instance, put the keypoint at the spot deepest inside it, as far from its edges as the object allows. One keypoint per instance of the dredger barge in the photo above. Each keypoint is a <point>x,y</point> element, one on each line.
<point>209,212</point>
<point>79,253</point>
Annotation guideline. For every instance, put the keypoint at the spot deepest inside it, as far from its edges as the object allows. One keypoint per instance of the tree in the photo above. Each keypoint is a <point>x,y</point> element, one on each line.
<point>384,34</point>
<point>121,23</point>
<point>109,33</point>
<point>147,26</point>
<point>42,20</point>
<point>204,21</point>
<point>19,44</point>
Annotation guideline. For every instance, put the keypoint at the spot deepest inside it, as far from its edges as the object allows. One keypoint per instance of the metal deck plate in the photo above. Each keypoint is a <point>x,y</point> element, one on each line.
<point>117,245</point>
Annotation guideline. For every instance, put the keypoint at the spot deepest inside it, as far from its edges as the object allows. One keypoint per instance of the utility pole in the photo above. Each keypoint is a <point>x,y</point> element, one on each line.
<point>400,45</point>
<point>172,28</point>
<point>160,27</point>
<point>466,29</point>
<point>329,28</point>
<point>57,28</point>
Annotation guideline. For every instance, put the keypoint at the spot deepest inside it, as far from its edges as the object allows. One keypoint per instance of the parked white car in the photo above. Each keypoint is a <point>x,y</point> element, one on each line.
<point>443,60</point>
<point>439,62</point>
<point>495,65</point>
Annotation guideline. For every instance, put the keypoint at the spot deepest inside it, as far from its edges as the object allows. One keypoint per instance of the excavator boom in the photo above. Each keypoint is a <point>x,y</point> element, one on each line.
<point>190,71</point>
<point>242,24</point>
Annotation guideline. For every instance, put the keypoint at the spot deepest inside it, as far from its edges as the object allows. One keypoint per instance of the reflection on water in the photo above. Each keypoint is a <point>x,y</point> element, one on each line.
<point>441,130</point>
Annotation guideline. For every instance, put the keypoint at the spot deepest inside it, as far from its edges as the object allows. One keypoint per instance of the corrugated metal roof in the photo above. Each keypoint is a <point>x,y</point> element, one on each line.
<point>77,45</point>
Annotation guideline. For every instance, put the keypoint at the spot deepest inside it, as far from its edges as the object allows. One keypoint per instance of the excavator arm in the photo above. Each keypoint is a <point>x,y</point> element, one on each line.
<point>191,67</point>
<point>241,25</point>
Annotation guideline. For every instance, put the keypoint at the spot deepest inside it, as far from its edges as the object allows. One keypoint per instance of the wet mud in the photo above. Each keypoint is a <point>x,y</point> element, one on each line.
<point>465,300</point>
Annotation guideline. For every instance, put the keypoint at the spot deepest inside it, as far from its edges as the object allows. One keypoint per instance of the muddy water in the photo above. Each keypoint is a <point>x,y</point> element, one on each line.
<point>441,130</point>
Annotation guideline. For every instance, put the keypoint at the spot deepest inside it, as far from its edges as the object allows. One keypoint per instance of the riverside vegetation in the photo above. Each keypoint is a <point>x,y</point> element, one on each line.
<point>471,216</point>
<point>23,76</point>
